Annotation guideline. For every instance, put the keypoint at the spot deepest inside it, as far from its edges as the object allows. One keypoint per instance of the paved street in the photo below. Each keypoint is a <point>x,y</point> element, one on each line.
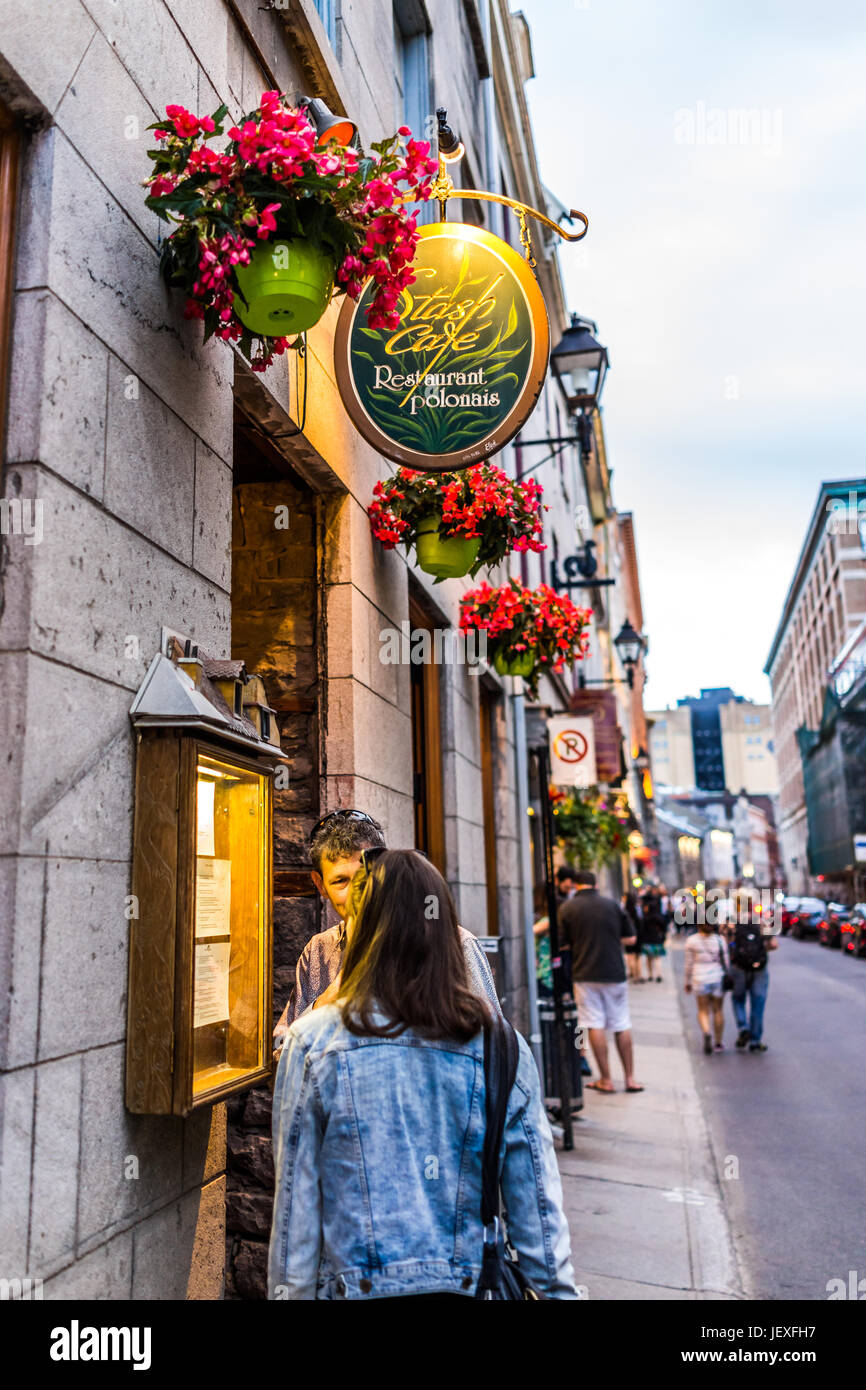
<point>640,1187</point>
<point>793,1117</point>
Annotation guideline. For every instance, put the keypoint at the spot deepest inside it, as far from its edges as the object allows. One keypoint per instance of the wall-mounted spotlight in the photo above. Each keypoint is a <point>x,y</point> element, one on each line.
<point>451,149</point>
<point>326,125</point>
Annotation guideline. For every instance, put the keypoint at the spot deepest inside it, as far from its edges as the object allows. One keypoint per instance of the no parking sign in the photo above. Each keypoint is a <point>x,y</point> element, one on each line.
<point>572,751</point>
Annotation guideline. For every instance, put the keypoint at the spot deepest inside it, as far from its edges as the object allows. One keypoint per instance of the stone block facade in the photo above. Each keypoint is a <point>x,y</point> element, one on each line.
<point>125,428</point>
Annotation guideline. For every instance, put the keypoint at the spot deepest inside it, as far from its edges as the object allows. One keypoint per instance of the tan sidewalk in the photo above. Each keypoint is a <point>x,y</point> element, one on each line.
<point>641,1187</point>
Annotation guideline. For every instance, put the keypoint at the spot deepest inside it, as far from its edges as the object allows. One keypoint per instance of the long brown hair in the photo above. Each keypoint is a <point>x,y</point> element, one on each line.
<point>405,957</point>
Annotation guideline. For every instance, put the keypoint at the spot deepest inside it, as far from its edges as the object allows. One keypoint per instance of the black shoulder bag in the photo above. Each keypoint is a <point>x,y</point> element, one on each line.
<point>501,1279</point>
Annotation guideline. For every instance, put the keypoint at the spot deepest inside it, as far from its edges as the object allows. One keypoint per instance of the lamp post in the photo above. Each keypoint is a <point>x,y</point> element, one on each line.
<point>629,644</point>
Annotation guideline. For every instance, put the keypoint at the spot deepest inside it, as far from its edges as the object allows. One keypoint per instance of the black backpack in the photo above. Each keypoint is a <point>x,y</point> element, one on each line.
<point>749,951</point>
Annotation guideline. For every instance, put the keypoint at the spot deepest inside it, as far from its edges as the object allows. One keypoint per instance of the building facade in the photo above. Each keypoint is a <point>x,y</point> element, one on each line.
<point>152,468</point>
<point>671,749</point>
<point>824,608</point>
<point>715,742</point>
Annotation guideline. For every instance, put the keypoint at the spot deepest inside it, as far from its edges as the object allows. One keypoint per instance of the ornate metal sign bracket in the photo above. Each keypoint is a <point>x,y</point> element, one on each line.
<point>443,190</point>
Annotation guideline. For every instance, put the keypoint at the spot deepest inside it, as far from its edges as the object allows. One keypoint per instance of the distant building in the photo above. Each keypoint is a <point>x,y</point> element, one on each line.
<point>714,742</point>
<point>824,609</point>
<point>670,746</point>
<point>719,837</point>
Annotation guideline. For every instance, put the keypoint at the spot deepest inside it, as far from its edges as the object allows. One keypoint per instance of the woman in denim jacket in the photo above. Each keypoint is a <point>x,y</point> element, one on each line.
<point>378,1118</point>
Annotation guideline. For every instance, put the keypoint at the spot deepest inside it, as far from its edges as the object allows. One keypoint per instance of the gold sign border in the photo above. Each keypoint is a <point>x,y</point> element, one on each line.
<point>523,406</point>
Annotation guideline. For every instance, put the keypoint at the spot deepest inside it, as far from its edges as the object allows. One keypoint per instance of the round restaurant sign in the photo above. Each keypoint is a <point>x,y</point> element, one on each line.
<point>463,371</point>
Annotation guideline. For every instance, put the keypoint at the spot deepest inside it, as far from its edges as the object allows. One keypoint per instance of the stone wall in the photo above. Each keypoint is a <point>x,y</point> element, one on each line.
<point>120,427</point>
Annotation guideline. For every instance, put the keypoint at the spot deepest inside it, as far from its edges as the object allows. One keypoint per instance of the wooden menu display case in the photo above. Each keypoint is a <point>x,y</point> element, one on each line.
<point>200,968</point>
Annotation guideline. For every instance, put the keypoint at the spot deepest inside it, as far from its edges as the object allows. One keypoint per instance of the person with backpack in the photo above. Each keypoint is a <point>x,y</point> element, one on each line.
<point>749,945</point>
<point>402,1108</point>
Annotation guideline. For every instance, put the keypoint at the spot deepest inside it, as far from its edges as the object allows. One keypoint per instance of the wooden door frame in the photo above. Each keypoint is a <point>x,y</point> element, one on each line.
<point>434,800</point>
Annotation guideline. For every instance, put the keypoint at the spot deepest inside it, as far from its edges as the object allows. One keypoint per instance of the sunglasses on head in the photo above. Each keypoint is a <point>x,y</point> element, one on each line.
<point>369,856</point>
<point>346,814</point>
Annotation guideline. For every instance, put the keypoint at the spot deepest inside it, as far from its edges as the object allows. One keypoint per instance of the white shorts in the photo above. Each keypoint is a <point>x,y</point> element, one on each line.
<point>603,1006</point>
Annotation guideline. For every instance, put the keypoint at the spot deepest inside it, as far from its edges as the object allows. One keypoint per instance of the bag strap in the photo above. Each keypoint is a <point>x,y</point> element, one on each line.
<point>501,1052</point>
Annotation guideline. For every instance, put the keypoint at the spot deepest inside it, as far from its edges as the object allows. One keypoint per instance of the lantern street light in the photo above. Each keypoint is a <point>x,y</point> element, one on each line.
<point>629,644</point>
<point>580,364</point>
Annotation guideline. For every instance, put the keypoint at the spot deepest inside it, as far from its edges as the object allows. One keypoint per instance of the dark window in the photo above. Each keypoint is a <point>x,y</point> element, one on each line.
<point>412,68</point>
<point>327,12</point>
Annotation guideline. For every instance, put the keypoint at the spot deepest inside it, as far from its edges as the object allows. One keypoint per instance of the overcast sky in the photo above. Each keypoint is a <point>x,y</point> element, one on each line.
<point>726,267</point>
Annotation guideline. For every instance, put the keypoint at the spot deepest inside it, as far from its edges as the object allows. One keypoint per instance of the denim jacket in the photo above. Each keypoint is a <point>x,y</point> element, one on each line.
<point>377,1150</point>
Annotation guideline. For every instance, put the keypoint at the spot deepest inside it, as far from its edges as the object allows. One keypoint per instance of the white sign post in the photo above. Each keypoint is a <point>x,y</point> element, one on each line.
<point>860,849</point>
<point>572,751</point>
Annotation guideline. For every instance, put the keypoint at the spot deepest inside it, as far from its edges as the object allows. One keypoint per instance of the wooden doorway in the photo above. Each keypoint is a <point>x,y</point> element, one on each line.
<point>489,701</point>
<point>427,748</point>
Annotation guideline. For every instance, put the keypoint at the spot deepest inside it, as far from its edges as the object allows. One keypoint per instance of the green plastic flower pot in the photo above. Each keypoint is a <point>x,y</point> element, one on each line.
<point>518,666</point>
<point>287,285</point>
<point>447,559</point>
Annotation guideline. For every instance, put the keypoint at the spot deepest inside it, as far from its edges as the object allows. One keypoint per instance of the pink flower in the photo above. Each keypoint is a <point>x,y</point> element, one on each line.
<point>186,125</point>
<point>164,183</point>
<point>267,223</point>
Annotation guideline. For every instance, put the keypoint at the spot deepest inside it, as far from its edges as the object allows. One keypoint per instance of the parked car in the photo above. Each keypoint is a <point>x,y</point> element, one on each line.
<point>854,940</point>
<point>807,918</point>
<point>835,922</point>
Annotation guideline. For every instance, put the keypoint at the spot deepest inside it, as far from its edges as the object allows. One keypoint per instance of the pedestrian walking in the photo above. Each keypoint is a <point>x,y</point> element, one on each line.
<point>707,964</point>
<point>597,929</point>
<point>336,844</point>
<point>750,943</point>
<point>565,882</point>
<point>632,909</point>
<point>651,935</point>
<point>379,1117</point>
<point>541,934</point>
<point>667,907</point>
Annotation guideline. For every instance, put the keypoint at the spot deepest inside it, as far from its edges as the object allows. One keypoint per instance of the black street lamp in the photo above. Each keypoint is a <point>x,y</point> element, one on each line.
<point>580,364</point>
<point>629,644</point>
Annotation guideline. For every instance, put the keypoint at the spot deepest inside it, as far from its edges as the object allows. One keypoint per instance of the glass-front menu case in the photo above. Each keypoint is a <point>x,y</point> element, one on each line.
<point>200,962</point>
<point>230,890</point>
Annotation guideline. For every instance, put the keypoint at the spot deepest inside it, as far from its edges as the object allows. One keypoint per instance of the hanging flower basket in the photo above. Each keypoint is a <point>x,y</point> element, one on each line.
<point>287,287</point>
<point>516,666</point>
<point>445,557</point>
<point>529,631</point>
<point>459,523</point>
<point>590,828</point>
<point>329,217</point>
